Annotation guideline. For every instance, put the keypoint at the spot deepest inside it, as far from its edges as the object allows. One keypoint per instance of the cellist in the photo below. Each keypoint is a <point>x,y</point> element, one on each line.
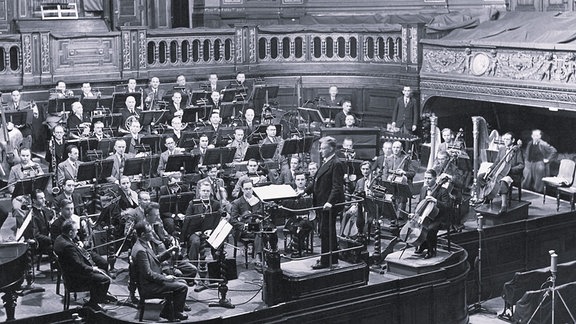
<point>512,156</point>
<point>441,197</point>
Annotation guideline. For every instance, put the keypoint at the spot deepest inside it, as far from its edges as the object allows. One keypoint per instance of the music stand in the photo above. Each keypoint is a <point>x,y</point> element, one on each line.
<point>191,114</point>
<point>311,115</point>
<point>16,117</point>
<point>188,140</point>
<point>275,192</point>
<point>228,94</point>
<point>265,92</point>
<point>60,105</point>
<point>224,136</point>
<point>297,145</point>
<point>260,152</point>
<point>179,162</point>
<point>199,96</point>
<point>219,155</point>
<point>260,133</point>
<point>175,204</point>
<point>228,110</point>
<point>150,165</point>
<point>152,141</point>
<point>401,190</point>
<point>119,100</point>
<point>106,145</point>
<point>89,105</point>
<point>148,117</point>
<point>103,169</point>
<point>86,171</point>
<point>29,185</point>
<point>133,166</point>
<point>216,241</point>
<point>84,146</point>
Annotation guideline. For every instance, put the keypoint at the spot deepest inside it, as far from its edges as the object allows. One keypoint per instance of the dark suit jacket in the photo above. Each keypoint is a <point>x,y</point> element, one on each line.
<point>156,97</point>
<point>332,103</point>
<point>126,114</point>
<point>149,268</point>
<point>131,145</point>
<point>74,121</point>
<point>340,119</point>
<point>516,163</point>
<point>76,199</point>
<point>126,203</point>
<point>196,221</point>
<point>405,115</point>
<point>41,225</point>
<point>329,183</point>
<point>59,149</point>
<point>76,262</point>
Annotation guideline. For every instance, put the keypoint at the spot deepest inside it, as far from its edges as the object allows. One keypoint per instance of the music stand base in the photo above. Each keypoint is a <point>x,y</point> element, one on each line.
<point>223,302</point>
<point>477,308</point>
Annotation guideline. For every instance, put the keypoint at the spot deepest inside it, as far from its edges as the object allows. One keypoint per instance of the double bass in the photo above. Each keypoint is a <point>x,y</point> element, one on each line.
<point>488,189</point>
<point>414,232</point>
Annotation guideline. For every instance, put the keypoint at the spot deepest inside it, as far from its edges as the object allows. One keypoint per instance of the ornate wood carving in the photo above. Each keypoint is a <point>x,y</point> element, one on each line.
<point>27,53</point>
<point>126,50</point>
<point>142,55</point>
<point>45,52</point>
<point>414,38</point>
<point>252,45</point>
<point>404,44</point>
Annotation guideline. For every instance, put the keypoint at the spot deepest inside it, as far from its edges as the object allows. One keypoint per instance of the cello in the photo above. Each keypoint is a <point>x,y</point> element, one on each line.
<point>414,232</point>
<point>488,189</point>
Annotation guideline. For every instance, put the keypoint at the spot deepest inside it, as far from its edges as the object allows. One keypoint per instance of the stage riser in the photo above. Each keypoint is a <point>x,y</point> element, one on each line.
<point>517,246</point>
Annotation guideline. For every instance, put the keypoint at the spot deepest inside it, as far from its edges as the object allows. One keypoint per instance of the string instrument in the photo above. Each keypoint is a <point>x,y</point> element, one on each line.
<point>9,155</point>
<point>397,175</point>
<point>501,169</point>
<point>414,232</point>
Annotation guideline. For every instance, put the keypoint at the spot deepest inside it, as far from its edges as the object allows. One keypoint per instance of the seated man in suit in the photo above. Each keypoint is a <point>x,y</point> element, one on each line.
<point>299,225</point>
<point>77,120</point>
<point>131,86</point>
<point>68,169</point>
<point>239,142</point>
<point>287,175</point>
<point>128,197</point>
<point>253,174</point>
<point>134,137</point>
<point>174,185</point>
<point>333,99</point>
<point>340,118</point>
<point>131,110</point>
<point>68,193</point>
<point>153,94</point>
<point>171,149</point>
<point>119,157</point>
<point>79,268</point>
<point>152,281</point>
<point>41,218</point>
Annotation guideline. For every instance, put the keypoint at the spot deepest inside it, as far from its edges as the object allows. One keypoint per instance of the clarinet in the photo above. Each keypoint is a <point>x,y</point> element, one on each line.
<point>52,148</point>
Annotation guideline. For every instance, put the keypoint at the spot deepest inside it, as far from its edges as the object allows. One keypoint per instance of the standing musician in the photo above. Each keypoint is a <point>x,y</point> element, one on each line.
<point>80,269</point>
<point>435,193</point>
<point>150,276</point>
<point>538,154</point>
<point>57,148</point>
<point>511,155</point>
<point>333,100</point>
<point>239,142</point>
<point>68,169</point>
<point>398,168</point>
<point>26,169</point>
<point>328,190</point>
<point>251,174</point>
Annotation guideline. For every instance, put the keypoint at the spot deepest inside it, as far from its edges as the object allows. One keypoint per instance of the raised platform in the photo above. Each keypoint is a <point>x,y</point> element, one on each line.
<point>410,264</point>
<point>517,210</point>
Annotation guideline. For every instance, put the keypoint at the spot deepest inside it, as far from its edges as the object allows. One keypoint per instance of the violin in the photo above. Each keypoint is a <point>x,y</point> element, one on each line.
<point>398,175</point>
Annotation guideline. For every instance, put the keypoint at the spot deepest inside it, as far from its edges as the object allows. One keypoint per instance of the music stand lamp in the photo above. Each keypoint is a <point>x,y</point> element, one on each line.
<point>216,241</point>
<point>477,306</point>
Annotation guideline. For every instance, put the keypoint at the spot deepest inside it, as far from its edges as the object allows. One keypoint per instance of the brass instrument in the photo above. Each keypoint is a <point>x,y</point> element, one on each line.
<point>52,148</point>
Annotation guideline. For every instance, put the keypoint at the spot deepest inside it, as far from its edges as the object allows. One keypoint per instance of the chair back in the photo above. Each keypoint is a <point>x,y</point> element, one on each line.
<point>567,170</point>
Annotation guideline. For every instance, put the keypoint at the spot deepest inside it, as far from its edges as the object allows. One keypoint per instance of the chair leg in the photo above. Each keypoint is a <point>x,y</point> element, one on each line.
<point>558,201</point>
<point>544,196</point>
<point>572,202</point>
<point>246,255</point>
<point>141,306</point>
<point>519,192</point>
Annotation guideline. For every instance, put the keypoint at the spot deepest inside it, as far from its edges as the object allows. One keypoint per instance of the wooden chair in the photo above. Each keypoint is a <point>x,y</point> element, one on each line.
<point>246,242</point>
<point>167,296</point>
<point>571,191</point>
<point>565,177</point>
<point>67,288</point>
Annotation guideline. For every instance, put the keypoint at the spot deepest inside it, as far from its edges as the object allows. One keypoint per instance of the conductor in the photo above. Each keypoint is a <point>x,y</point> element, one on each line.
<point>328,191</point>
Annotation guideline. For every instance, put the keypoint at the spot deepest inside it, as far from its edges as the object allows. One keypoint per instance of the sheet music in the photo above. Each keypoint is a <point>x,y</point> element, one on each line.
<point>24,226</point>
<point>273,192</point>
<point>219,234</point>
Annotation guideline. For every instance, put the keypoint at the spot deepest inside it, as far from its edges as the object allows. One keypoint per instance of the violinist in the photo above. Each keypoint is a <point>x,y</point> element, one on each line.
<point>252,174</point>
<point>16,104</point>
<point>41,218</point>
<point>398,168</point>
<point>380,160</point>
<point>218,187</point>
<point>24,170</point>
<point>511,155</point>
<point>364,189</point>
<point>347,152</point>
<point>441,198</point>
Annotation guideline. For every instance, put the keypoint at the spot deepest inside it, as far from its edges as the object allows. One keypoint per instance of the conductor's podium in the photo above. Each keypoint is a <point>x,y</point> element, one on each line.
<point>517,210</point>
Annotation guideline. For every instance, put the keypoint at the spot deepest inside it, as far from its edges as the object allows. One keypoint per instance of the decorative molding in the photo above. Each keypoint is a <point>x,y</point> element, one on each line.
<point>27,53</point>
<point>404,44</point>
<point>239,41</point>
<point>126,50</point>
<point>142,54</point>
<point>45,52</point>
<point>252,43</point>
<point>414,38</point>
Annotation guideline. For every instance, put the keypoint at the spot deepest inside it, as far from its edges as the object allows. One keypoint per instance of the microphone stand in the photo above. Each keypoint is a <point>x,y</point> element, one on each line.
<point>477,307</point>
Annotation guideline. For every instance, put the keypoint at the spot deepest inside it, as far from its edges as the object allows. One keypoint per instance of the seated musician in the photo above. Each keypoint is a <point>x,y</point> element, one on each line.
<point>174,185</point>
<point>77,120</point>
<point>153,94</point>
<point>181,84</point>
<point>241,212</point>
<point>134,136</point>
<point>441,197</point>
<point>398,168</point>
<point>26,169</point>
<point>215,96</point>
<point>17,104</point>
<point>538,154</point>
<point>213,85</point>
<point>271,138</point>
<point>68,193</point>
<point>347,152</point>
<point>340,118</point>
<point>171,149</point>
<point>249,122</point>
<point>203,145</point>
<point>131,86</point>
<point>363,188</point>
<point>214,126</point>
<point>176,108</point>
<point>239,142</point>
<point>83,238</point>
<point>312,169</point>
<point>153,282</point>
<point>380,160</point>
<point>79,267</point>
<point>128,197</point>
<point>450,141</point>
<point>245,88</point>
<point>86,91</point>
<point>252,173</point>
<point>119,157</point>
<point>350,122</point>
<point>197,227</point>
<point>176,130</point>
<point>131,110</point>
<point>131,216</point>
<point>287,175</point>
<point>299,225</point>
<point>218,187</point>
<point>41,218</point>
<point>60,91</point>
<point>99,133</point>
<point>56,148</point>
<point>512,155</point>
<point>68,169</point>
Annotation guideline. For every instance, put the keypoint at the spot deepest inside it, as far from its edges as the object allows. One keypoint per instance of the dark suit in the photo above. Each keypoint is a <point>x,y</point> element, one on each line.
<point>329,187</point>
<point>59,150</point>
<point>76,199</point>
<point>74,122</point>
<point>196,221</point>
<point>126,114</point>
<point>149,275</point>
<point>79,270</point>
<point>67,172</point>
<point>41,227</point>
<point>128,202</point>
<point>132,142</point>
<point>332,103</point>
<point>150,95</point>
<point>340,119</point>
<point>434,221</point>
<point>405,115</point>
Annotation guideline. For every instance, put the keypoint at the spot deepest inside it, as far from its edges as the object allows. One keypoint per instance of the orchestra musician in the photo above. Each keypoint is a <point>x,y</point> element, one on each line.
<point>131,216</point>
<point>201,148</point>
<point>327,191</point>
<point>251,174</point>
<point>67,193</point>
<point>241,210</point>
<point>80,269</point>
<point>538,154</point>
<point>312,169</point>
<point>176,109</point>
<point>131,86</point>
<point>60,91</point>
<point>58,148</point>
<point>398,168</point>
<point>287,175</point>
<point>86,91</point>
<point>441,197</point>
<point>41,218</point>
<point>380,160</point>
<point>450,141</point>
<point>217,184</point>
<point>213,85</point>
<point>340,118</point>
<point>99,133</point>
<point>68,169</point>
<point>153,281</point>
<point>299,225</point>
<point>271,137</point>
<point>214,127</point>
<point>131,110</point>
<point>182,86</point>
<point>26,169</point>
<point>244,88</point>
<point>17,104</point>
<point>249,122</point>
<point>174,185</point>
<point>128,197</point>
<point>239,142</point>
<point>171,149</point>
<point>363,188</point>
<point>347,151</point>
<point>176,130</point>
<point>215,97</point>
<point>333,100</point>
<point>350,122</point>
<point>406,112</point>
<point>513,156</point>
<point>77,119</point>
<point>119,158</point>
<point>134,136</point>
<point>153,94</point>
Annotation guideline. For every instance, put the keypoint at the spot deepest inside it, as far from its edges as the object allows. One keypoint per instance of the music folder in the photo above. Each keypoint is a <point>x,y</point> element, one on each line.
<point>17,117</point>
<point>133,166</point>
<point>179,162</point>
<point>219,235</point>
<point>260,152</point>
<point>86,171</point>
<point>61,104</point>
<point>175,204</point>
<point>148,117</point>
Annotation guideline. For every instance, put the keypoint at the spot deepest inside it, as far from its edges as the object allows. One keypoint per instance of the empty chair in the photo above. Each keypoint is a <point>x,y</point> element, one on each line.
<point>565,177</point>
